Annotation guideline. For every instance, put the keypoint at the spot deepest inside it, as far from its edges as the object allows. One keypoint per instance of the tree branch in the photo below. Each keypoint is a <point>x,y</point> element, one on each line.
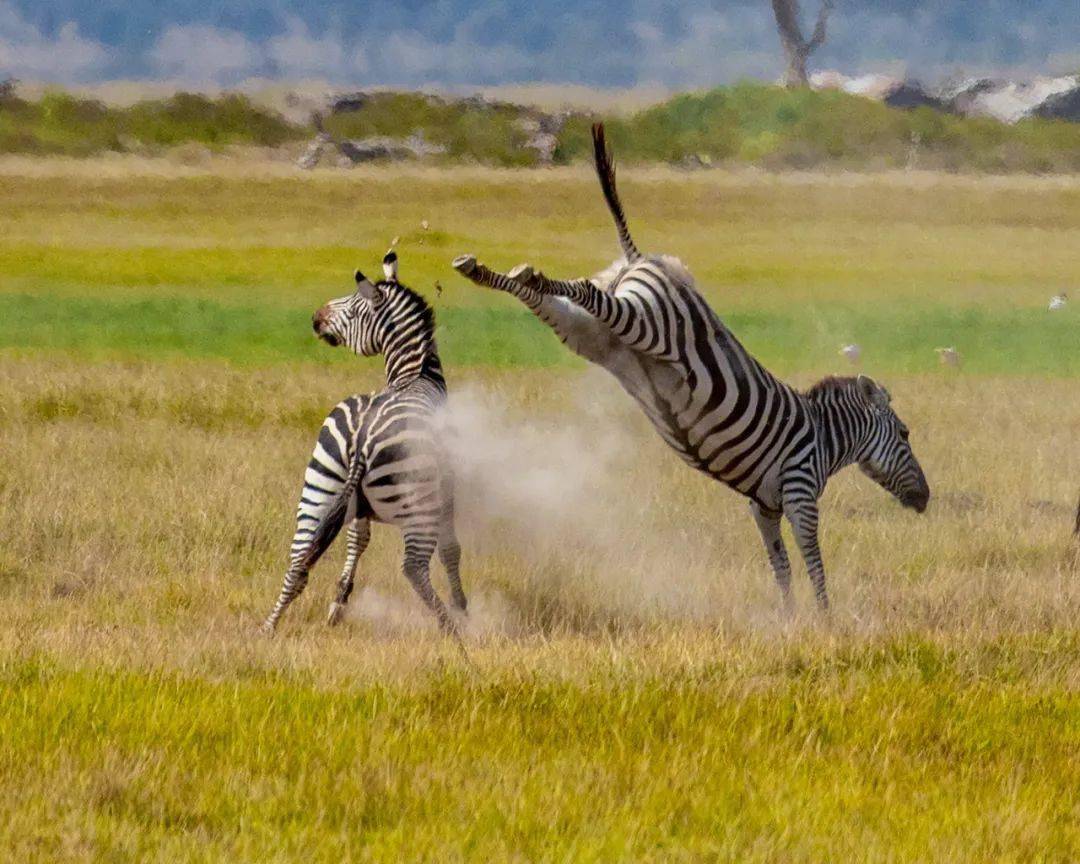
<point>787,22</point>
<point>819,27</point>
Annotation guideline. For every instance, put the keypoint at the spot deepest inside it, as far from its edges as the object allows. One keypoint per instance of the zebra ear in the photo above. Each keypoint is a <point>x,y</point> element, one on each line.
<point>389,266</point>
<point>368,291</point>
<point>874,395</point>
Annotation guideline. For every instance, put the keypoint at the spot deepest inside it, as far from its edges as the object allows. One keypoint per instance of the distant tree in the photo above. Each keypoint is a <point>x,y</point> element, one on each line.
<point>797,48</point>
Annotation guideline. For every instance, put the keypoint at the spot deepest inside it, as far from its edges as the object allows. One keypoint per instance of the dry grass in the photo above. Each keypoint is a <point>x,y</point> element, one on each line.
<point>628,655</point>
<point>118,470</point>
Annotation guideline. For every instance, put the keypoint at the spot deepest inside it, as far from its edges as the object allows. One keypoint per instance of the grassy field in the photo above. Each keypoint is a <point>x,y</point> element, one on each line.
<point>634,694</point>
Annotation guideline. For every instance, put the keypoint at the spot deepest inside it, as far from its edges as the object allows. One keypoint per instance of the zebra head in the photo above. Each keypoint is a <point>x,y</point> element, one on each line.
<point>361,319</point>
<point>886,456</point>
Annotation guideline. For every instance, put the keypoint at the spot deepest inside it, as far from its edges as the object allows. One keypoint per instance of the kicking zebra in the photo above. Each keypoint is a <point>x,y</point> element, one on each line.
<point>711,401</point>
<point>378,457</point>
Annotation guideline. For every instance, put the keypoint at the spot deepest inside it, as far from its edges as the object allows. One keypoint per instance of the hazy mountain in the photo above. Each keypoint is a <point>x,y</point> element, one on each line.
<point>597,42</point>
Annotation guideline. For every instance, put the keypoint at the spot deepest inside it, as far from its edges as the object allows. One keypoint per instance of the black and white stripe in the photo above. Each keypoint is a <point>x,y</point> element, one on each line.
<point>709,399</point>
<point>378,457</point>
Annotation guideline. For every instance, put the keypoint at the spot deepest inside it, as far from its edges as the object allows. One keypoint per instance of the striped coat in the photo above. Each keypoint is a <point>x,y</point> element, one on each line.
<point>709,399</point>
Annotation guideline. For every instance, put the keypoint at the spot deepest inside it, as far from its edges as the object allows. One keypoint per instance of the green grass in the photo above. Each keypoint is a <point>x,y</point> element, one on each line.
<point>898,753</point>
<point>1021,342</point>
<point>229,267</point>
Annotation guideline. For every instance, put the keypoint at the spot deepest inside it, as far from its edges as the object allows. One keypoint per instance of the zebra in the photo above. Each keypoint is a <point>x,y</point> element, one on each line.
<point>645,322</point>
<point>378,457</point>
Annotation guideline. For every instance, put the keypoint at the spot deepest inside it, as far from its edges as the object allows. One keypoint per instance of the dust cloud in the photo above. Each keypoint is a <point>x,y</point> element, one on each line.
<point>582,507</point>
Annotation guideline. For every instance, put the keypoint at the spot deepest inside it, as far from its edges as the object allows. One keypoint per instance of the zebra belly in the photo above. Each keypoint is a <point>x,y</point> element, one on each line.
<point>749,467</point>
<point>581,332</point>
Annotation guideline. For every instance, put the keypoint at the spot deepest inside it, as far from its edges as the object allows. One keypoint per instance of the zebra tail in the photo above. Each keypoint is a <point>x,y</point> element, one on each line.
<point>334,518</point>
<point>605,170</point>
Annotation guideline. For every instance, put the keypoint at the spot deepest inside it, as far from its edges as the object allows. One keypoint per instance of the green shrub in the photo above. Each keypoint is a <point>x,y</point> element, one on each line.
<point>59,123</point>
<point>470,131</point>
<point>779,128</point>
<point>186,117</point>
<point>745,123</point>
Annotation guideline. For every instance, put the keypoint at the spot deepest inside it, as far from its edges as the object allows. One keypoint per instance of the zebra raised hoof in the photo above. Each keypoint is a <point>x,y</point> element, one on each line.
<point>379,457</point>
<point>644,321</point>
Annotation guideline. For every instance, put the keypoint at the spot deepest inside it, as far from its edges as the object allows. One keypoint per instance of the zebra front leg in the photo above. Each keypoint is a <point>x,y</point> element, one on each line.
<point>803,516</point>
<point>768,522</point>
<point>357,538</point>
<point>417,567</point>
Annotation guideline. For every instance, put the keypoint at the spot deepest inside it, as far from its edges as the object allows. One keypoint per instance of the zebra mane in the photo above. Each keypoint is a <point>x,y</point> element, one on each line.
<point>830,384</point>
<point>415,299</point>
<point>417,354</point>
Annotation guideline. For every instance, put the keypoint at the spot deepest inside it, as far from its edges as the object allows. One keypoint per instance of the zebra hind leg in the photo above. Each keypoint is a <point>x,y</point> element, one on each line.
<point>531,279</point>
<point>315,531</point>
<point>359,534</point>
<point>295,581</point>
<point>450,556</point>
<point>471,269</point>
<point>768,523</point>
<point>417,567</point>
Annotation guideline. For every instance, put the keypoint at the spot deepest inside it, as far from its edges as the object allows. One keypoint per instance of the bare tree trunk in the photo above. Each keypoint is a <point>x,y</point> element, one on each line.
<point>795,75</point>
<point>797,48</point>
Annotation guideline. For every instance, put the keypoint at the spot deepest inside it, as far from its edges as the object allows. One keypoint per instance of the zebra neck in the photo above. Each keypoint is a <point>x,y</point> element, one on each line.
<point>842,430</point>
<point>412,362</point>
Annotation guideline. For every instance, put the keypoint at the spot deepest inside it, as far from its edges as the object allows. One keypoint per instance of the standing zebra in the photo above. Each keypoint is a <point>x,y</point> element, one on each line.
<point>378,457</point>
<point>714,404</point>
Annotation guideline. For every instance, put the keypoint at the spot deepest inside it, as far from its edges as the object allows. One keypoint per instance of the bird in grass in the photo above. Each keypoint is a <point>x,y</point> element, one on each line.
<point>423,224</point>
<point>948,356</point>
<point>1057,302</point>
<point>438,288</point>
<point>852,352</point>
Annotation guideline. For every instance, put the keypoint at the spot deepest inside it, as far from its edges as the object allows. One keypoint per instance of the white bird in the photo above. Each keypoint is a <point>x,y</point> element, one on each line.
<point>948,356</point>
<point>852,352</point>
<point>1057,302</point>
<point>424,224</point>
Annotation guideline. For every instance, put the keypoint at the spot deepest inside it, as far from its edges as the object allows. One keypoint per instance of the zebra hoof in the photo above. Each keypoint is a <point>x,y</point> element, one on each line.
<point>337,614</point>
<point>267,629</point>
<point>465,264</point>
<point>523,273</point>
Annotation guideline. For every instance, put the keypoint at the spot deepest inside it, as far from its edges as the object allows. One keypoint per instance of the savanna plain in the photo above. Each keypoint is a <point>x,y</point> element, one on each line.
<point>632,691</point>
